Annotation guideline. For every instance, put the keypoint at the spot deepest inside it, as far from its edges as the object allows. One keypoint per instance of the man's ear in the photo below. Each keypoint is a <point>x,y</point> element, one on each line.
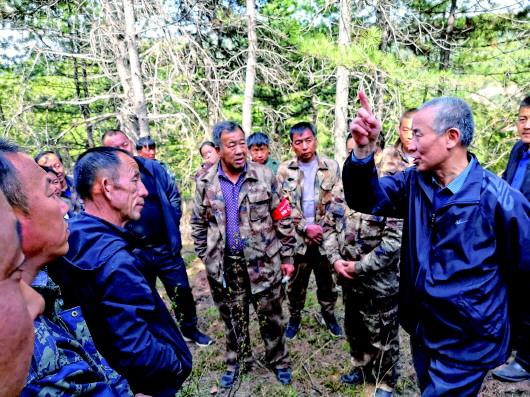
<point>103,186</point>
<point>453,137</point>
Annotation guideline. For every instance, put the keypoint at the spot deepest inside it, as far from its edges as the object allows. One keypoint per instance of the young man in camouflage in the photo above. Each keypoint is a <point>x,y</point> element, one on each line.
<point>311,183</point>
<point>364,250</point>
<point>243,233</point>
<point>398,157</point>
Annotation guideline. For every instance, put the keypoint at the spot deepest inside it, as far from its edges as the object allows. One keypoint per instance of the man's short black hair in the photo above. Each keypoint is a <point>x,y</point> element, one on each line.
<point>91,162</point>
<point>145,141</point>
<point>299,129</point>
<point>258,139</point>
<point>525,102</point>
<point>10,184</point>
<point>42,154</point>
<point>224,126</point>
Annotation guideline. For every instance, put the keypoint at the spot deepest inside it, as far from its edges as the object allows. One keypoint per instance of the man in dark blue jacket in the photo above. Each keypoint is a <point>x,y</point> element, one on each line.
<point>465,232</point>
<point>65,361</point>
<point>129,322</point>
<point>517,174</point>
<point>159,232</point>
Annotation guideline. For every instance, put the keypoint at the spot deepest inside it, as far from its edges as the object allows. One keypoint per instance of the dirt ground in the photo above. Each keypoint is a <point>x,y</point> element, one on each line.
<point>317,358</point>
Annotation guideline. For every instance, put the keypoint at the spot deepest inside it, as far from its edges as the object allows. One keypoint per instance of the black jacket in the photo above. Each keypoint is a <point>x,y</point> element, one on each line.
<point>515,156</point>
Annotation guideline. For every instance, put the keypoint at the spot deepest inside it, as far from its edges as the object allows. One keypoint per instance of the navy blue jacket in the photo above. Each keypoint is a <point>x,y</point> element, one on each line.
<point>455,260</point>
<point>129,322</point>
<point>511,167</point>
<point>169,197</point>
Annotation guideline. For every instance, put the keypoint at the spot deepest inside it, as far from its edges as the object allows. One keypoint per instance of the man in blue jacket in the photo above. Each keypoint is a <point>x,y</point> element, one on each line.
<point>65,361</point>
<point>517,174</point>
<point>465,232</point>
<point>159,232</point>
<point>129,322</point>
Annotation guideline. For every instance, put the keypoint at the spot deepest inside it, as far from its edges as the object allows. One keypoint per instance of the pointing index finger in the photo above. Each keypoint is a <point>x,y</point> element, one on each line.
<point>364,102</point>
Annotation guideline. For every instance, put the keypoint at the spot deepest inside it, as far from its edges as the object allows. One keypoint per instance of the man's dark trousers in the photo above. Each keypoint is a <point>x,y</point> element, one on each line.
<point>171,270</point>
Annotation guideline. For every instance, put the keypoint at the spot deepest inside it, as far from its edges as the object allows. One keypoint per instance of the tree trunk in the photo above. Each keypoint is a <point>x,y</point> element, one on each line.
<point>121,32</point>
<point>250,77</point>
<point>380,80</point>
<point>81,87</point>
<point>445,52</point>
<point>340,128</point>
<point>138,102</point>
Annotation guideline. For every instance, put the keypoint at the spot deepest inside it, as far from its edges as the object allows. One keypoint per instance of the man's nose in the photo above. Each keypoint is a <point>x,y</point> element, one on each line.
<point>142,191</point>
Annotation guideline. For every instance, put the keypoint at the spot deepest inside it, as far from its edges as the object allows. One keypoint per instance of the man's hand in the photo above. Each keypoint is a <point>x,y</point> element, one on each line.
<point>314,233</point>
<point>287,269</point>
<point>344,268</point>
<point>365,129</point>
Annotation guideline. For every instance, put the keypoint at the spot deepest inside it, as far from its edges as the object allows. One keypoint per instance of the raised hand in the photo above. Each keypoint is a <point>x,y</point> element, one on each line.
<point>365,129</point>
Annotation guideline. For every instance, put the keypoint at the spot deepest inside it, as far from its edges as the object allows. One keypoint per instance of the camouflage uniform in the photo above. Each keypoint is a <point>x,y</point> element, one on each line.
<point>72,199</point>
<point>65,361</point>
<point>328,189</point>
<point>394,159</point>
<point>273,165</point>
<point>370,299</point>
<point>255,277</point>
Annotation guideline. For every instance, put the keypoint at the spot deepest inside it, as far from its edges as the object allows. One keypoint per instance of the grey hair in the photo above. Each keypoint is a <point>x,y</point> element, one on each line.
<point>224,126</point>
<point>452,112</point>
<point>10,184</point>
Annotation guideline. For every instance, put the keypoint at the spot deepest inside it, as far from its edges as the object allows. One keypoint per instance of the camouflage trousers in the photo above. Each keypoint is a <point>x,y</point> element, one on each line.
<point>297,289</point>
<point>371,327</point>
<point>233,303</point>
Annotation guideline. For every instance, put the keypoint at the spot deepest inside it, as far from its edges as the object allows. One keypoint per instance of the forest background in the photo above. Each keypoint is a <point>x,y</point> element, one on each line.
<point>72,69</point>
<point>69,70</point>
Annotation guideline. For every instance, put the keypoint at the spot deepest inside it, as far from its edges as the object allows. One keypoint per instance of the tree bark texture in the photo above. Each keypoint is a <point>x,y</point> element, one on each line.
<point>250,78</point>
<point>340,128</point>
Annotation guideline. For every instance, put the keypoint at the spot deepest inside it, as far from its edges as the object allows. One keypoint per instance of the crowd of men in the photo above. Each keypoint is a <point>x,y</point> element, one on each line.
<point>417,234</point>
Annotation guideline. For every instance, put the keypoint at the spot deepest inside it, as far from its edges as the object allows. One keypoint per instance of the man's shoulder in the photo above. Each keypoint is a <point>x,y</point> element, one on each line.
<point>289,165</point>
<point>259,171</point>
<point>93,242</point>
<point>500,191</point>
<point>329,163</point>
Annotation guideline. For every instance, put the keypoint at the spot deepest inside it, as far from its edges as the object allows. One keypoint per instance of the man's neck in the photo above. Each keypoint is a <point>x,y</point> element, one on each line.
<point>103,211</point>
<point>31,268</point>
<point>231,174</point>
<point>451,168</point>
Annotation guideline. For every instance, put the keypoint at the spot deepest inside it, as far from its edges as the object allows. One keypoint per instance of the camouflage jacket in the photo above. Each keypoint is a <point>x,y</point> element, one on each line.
<point>328,189</point>
<point>393,160</point>
<point>65,361</point>
<point>373,242</point>
<point>71,197</point>
<point>267,243</point>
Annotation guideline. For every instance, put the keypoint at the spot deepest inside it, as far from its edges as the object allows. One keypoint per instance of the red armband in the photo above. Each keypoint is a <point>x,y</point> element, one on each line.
<point>283,210</point>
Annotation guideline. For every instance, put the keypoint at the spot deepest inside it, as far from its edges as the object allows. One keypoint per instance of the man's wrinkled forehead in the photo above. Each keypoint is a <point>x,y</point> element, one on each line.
<point>130,163</point>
